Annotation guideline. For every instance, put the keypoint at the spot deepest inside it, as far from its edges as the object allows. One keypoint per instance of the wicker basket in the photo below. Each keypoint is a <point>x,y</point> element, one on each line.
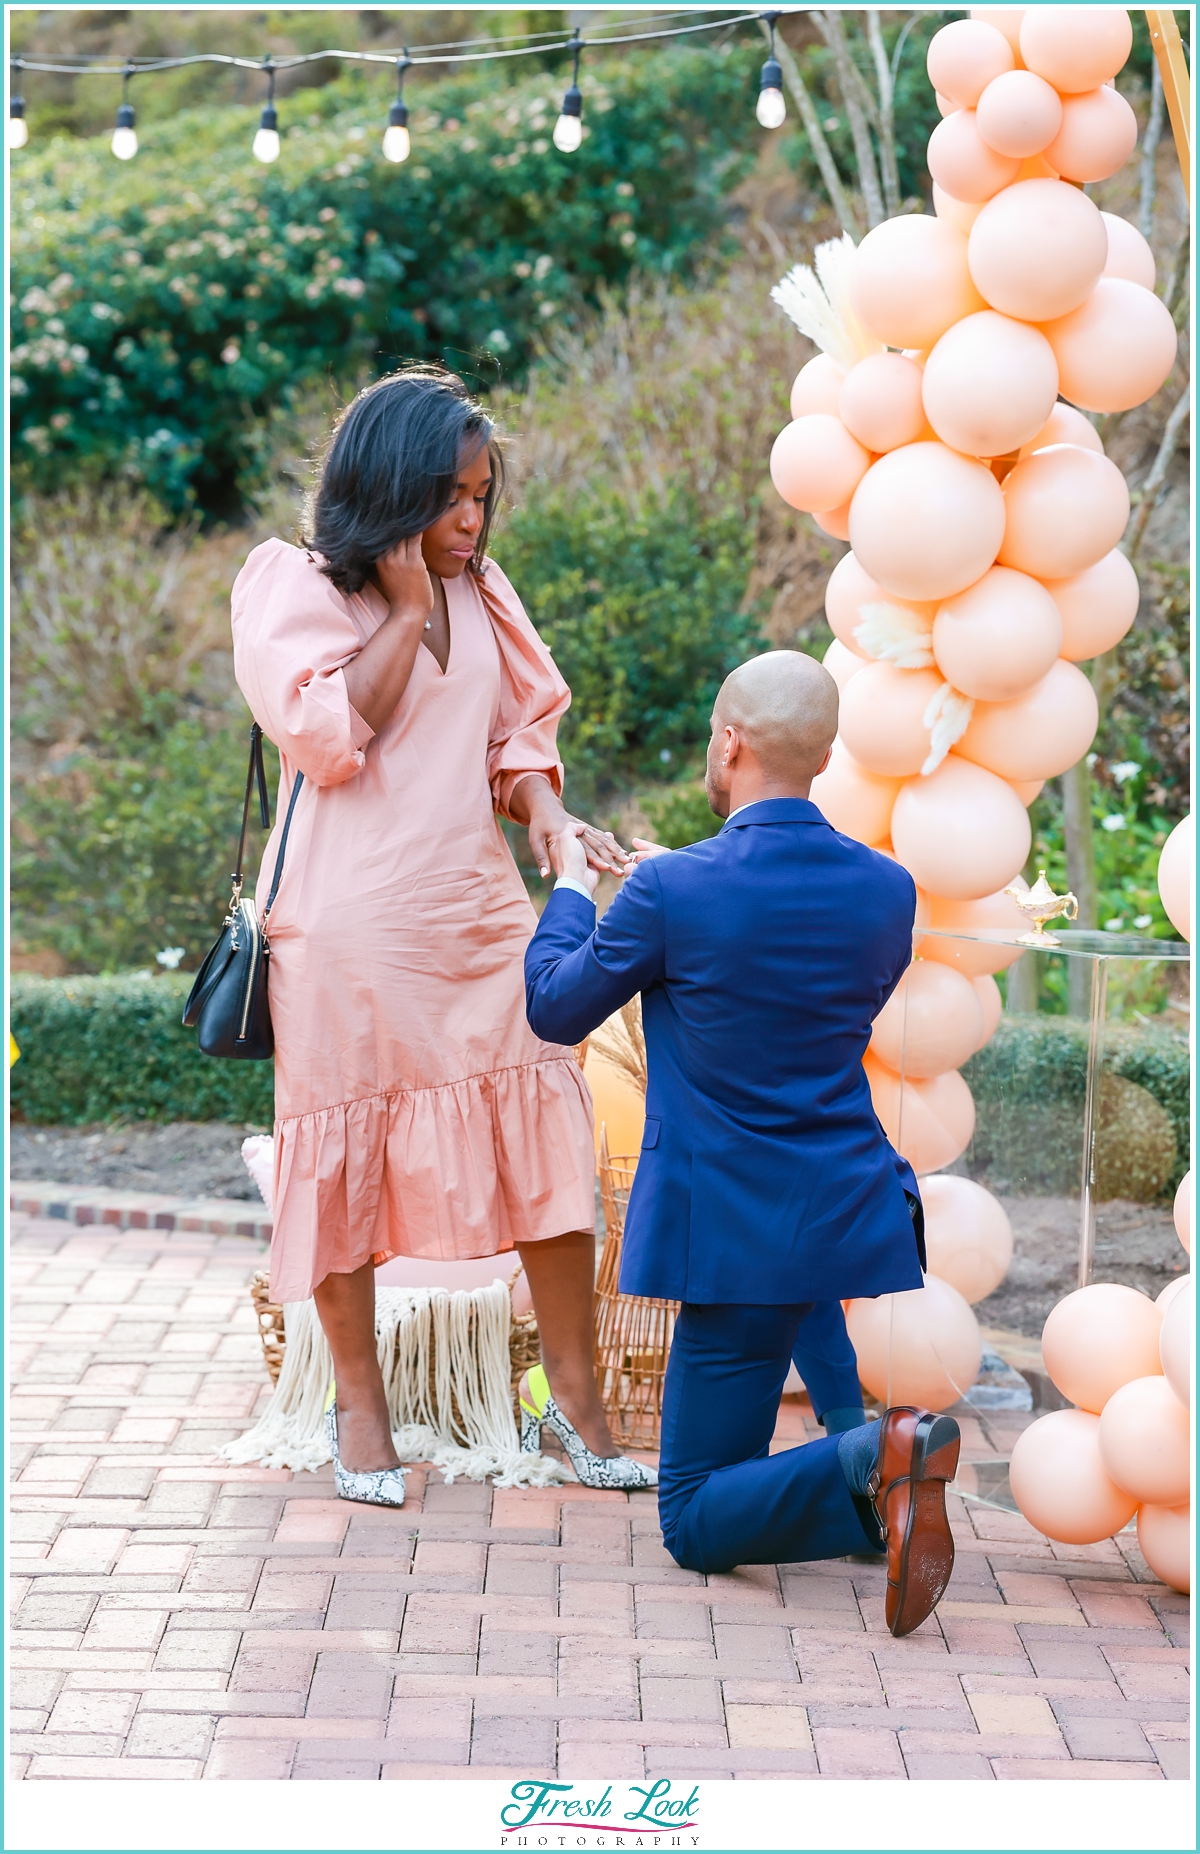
<point>633,1332</point>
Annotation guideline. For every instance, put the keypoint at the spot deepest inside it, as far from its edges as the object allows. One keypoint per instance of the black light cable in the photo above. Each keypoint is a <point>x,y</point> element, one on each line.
<point>771,109</point>
<point>568,130</point>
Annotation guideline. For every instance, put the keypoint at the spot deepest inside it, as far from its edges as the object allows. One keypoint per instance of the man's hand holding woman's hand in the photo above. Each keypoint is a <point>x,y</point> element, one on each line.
<point>569,856</point>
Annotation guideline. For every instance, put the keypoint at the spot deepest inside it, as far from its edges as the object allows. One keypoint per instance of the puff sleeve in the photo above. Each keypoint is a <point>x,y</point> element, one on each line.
<point>292,635</point>
<point>533,695</point>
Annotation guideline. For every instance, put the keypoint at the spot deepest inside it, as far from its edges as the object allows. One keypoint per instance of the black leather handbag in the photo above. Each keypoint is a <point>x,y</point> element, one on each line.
<point>228,1004</point>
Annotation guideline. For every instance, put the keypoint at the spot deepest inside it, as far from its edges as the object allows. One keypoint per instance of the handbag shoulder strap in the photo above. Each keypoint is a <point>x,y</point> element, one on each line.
<point>255,774</point>
<point>287,825</point>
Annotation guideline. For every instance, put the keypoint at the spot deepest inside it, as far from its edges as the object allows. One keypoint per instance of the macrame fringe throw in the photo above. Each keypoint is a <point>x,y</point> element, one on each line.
<point>895,634</point>
<point>818,302</point>
<point>947,718</point>
<point>457,1415</point>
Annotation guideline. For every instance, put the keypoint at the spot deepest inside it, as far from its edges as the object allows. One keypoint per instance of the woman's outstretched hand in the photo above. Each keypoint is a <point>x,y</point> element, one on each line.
<point>548,819</point>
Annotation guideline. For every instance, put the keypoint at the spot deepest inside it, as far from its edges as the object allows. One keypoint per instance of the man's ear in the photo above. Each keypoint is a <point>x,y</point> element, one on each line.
<point>733,746</point>
<point>825,761</point>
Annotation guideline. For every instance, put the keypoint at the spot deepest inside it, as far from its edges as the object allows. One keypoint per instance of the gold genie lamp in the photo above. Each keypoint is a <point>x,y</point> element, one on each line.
<point>1041,904</point>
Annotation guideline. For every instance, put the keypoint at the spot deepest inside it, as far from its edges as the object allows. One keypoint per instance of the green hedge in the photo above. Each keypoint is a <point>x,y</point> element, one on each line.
<point>96,1049</point>
<point>164,309</point>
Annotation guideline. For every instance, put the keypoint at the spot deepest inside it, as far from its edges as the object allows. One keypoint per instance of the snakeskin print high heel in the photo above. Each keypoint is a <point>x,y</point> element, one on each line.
<point>612,1471</point>
<point>384,1487</point>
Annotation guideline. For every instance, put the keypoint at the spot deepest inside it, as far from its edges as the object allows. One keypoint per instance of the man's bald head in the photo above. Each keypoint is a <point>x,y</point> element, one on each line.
<point>785,708</point>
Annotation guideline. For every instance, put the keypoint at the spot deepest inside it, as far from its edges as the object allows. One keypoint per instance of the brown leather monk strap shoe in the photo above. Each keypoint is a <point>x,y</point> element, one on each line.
<point>918,1454</point>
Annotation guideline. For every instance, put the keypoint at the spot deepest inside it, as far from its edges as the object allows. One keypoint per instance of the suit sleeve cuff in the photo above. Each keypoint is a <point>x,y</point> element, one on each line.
<point>577,887</point>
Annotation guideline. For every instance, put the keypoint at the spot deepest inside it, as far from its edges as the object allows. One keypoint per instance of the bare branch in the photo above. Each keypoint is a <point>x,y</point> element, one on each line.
<point>853,92</point>
<point>847,217</point>
<point>887,129</point>
<point>1150,143</point>
<point>1157,475</point>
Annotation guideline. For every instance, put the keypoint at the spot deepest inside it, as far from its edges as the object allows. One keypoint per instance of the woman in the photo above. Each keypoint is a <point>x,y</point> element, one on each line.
<point>417,1114</point>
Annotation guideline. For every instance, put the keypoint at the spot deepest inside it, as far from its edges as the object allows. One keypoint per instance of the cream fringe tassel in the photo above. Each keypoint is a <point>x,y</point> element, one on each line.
<point>468,1333</point>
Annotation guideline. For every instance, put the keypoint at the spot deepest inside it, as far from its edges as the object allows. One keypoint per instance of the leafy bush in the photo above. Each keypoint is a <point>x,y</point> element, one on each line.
<point>163,309</point>
<point>95,1049</point>
<point>640,606</point>
<point>681,817</point>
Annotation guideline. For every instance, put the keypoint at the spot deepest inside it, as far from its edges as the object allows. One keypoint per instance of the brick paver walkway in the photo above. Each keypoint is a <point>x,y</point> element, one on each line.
<point>177,1618</point>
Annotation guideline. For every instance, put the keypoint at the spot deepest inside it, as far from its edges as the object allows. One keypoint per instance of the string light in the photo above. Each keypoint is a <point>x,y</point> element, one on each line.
<point>125,141</point>
<point>18,128</point>
<point>568,130</point>
<point>397,144</point>
<point>266,140</point>
<point>771,109</point>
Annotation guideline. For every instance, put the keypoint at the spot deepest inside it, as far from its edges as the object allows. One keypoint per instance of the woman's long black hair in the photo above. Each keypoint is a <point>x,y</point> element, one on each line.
<point>391,470</point>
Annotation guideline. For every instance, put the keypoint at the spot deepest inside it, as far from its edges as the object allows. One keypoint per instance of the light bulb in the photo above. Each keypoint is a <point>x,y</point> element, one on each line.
<point>568,133</point>
<point>18,131</point>
<point>771,109</point>
<point>397,144</point>
<point>124,143</point>
<point>266,145</point>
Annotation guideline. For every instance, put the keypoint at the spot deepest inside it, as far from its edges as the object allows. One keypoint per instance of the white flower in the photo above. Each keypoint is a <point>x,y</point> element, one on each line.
<point>1114,821</point>
<point>229,353</point>
<point>1143,920</point>
<point>1124,770</point>
<point>170,956</point>
<point>628,238</point>
<point>498,340</point>
<point>544,265</point>
<point>545,309</point>
<point>1115,924</point>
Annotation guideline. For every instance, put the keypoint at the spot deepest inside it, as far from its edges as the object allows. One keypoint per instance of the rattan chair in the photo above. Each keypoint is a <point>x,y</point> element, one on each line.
<point>633,1332</point>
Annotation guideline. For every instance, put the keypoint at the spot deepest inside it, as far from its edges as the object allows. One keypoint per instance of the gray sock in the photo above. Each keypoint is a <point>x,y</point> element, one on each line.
<point>846,1416</point>
<point>858,1450</point>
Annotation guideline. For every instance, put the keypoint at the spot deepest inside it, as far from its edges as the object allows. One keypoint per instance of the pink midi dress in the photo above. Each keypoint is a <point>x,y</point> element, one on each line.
<point>416,1112</point>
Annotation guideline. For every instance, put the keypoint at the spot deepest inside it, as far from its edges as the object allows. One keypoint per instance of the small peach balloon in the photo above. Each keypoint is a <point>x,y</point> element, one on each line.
<point>882,718</point>
<point>927,522</point>
<point>856,802</point>
<point>923,1347</point>
<point>932,1022</point>
<point>1099,1338</point>
<point>841,663</point>
<point>1065,508</point>
<point>1006,19</point>
<point>880,403</point>
<point>1065,426</point>
<point>998,637</point>
<point>1129,255</point>
<point>816,464</point>
<point>958,213</point>
<point>1098,134</point>
<point>930,1123</point>
<point>1181,1284</point>
<point>1039,733</point>
<point>992,1005</point>
<point>1176,875</point>
<point>1165,1539</point>
<point>1019,114</point>
<point>996,915</point>
<point>909,280</point>
<point>945,105</point>
<point>921,914</point>
<point>1182,1211</point>
<point>1037,250</point>
<point>968,1238</point>
<point>1075,47</point>
<point>1175,1343</point>
<point>1027,789</point>
<point>961,162</point>
<point>835,522</point>
<point>989,384</point>
<point>1097,606</point>
<point>964,57</point>
<point>1059,1483</point>
<point>1145,1441</point>
<point>848,590</point>
<point>816,387</point>
<point>961,832</point>
<point>1036,167</point>
<point>1115,350</point>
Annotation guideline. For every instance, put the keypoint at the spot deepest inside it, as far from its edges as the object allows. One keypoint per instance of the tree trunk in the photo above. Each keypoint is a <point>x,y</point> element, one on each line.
<point>888,165</point>
<point>1081,873</point>
<point>850,82</point>
<point>847,217</point>
<point>1150,143</point>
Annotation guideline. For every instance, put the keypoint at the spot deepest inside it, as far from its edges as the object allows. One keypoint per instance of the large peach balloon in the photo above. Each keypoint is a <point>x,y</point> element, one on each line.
<point>856,802</point>
<point>930,1123</point>
<point>847,590</point>
<point>816,464</point>
<point>816,387</point>
<point>998,637</point>
<point>961,162</point>
<point>1019,114</point>
<point>1176,867</point>
<point>1182,1211</point>
<point>1098,134</point>
<point>1115,350</point>
<point>1099,1338</point>
<point>921,912</point>
<point>1065,426</point>
<point>932,1022</point>
<point>1129,255</point>
<point>1039,733</point>
<point>990,384</point>
<point>1006,19</point>
<point>1165,1539</point>
<point>997,915</point>
<point>1059,1482</point>
<point>841,663</point>
<point>1075,47</point>
<point>880,402</point>
<point>1181,1284</point>
<point>1175,1342</point>
<point>881,719</point>
<point>1097,606</point>
<point>964,57</point>
<point>992,1005</point>
<point>1145,1441</point>
<point>909,280</point>
<point>923,1347</point>
<point>961,831</point>
<point>926,522</point>
<point>1065,508</point>
<point>958,213</point>
<point>1037,249</point>
<point>968,1238</point>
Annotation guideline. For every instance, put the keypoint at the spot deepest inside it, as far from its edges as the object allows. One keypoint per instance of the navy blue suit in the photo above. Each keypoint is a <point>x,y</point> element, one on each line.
<point>765,1182</point>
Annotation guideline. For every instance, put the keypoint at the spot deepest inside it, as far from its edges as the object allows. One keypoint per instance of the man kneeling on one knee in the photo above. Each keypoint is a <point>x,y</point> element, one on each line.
<point>765,1184</point>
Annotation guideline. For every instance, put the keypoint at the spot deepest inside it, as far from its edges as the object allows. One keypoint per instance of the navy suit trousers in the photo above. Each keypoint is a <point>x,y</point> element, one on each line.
<point>723,1499</point>
<point>826,1360</point>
